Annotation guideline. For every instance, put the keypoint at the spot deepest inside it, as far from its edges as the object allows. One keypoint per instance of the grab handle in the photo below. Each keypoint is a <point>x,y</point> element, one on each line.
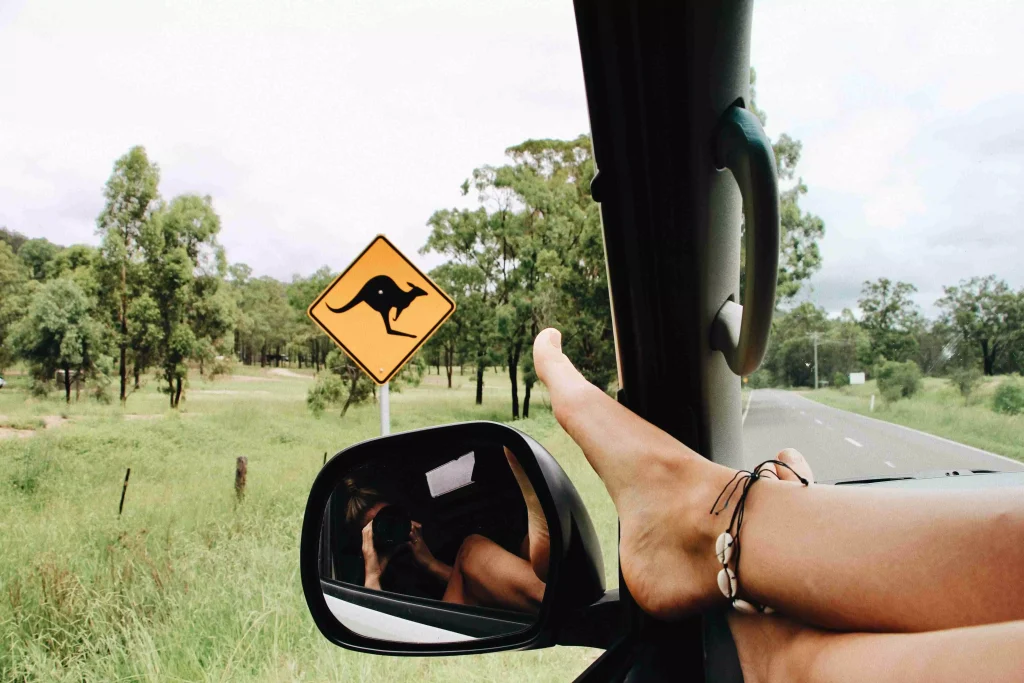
<point>741,332</point>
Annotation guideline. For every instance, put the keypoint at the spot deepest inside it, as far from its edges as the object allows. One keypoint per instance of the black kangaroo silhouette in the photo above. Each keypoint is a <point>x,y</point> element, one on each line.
<point>382,294</point>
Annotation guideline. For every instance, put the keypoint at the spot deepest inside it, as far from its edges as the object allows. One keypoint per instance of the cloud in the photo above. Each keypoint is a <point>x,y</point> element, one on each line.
<point>314,126</point>
<point>317,125</point>
<point>909,117</point>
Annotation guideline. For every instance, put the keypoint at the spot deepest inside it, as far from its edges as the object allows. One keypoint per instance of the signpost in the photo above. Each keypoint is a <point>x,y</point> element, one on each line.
<point>380,311</point>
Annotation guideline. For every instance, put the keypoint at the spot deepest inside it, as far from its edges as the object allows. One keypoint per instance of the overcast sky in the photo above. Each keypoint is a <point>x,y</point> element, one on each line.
<point>318,124</point>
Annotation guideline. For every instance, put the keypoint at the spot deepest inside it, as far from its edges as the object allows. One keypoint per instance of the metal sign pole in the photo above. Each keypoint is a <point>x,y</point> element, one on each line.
<point>385,409</point>
<point>815,360</point>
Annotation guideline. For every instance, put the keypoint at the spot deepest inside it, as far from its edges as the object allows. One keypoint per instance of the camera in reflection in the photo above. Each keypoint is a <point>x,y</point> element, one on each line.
<point>392,527</point>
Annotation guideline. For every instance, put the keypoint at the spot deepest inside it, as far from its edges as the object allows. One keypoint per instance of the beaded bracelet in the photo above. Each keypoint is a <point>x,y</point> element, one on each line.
<point>727,546</point>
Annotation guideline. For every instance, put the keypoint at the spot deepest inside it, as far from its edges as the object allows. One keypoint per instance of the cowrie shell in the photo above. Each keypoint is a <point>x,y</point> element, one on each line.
<point>727,582</point>
<point>744,606</point>
<point>723,548</point>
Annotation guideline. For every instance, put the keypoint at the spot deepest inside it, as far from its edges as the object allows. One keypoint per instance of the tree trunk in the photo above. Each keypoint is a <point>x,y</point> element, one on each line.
<point>123,342</point>
<point>177,393</point>
<point>528,379</point>
<point>351,392</point>
<point>136,371</point>
<point>67,385</point>
<point>480,369</point>
<point>526,398</point>
<point>988,357</point>
<point>449,364</point>
<point>513,376</point>
<point>170,387</point>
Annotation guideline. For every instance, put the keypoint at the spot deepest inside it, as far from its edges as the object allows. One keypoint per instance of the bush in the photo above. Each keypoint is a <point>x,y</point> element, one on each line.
<point>760,379</point>
<point>965,380</point>
<point>840,380</point>
<point>327,390</point>
<point>40,388</point>
<point>222,366</point>
<point>898,380</point>
<point>101,380</point>
<point>1009,397</point>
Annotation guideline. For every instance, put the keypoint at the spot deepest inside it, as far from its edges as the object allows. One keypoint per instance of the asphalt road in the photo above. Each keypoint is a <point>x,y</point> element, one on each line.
<point>843,445</point>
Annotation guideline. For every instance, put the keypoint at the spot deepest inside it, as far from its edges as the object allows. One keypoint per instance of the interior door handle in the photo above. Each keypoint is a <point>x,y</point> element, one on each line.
<point>741,332</point>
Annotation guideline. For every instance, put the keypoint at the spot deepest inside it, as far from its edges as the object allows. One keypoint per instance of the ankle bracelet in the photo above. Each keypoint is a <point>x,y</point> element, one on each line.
<point>727,546</point>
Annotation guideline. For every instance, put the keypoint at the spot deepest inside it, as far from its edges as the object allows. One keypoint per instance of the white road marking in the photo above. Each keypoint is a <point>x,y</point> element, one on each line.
<point>818,421</point>
<point>890,464</point>
<point>853,442</point>
<point>1016,463</point>
<point>803,412</point>
<point>750,399</point>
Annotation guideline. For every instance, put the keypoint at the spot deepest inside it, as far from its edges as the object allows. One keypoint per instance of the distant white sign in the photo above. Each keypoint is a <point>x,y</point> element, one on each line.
<point>857,378</point>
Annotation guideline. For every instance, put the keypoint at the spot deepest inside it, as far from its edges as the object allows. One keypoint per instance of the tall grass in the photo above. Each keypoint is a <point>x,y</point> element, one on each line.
<point>938,408</point>
<point>188,584</point>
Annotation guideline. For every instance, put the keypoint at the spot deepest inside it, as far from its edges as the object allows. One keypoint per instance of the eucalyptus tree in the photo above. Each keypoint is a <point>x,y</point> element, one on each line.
<point>131,195</point>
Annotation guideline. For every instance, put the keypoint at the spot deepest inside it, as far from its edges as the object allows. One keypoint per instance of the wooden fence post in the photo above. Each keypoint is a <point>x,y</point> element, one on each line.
<point>124,489</point>
<point>241,471</point>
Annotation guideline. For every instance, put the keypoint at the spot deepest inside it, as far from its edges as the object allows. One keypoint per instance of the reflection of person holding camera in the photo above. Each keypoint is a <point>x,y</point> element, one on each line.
<point>377,555</point>
<point>483,573</point>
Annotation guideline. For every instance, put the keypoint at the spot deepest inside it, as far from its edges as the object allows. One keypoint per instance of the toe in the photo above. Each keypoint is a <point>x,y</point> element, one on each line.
<point>797,462</point>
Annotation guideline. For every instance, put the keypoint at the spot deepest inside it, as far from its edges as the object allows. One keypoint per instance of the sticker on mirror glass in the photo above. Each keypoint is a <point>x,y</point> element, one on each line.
<point>450,476</point>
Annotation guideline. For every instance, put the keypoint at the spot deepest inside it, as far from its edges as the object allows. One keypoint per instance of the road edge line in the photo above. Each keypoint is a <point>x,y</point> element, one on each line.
<point>1018,463</point>
<point>750,399</point>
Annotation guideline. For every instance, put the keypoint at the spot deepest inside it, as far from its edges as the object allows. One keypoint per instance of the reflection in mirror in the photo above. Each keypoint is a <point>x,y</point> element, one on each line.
<point>439,546</point>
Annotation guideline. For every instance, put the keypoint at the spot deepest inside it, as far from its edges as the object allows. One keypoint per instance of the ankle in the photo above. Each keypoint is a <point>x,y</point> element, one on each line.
<point>714,479</point>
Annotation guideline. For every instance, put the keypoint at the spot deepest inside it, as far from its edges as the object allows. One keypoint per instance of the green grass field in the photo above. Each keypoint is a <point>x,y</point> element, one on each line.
<point>939,409</point>
<point>187,584</point>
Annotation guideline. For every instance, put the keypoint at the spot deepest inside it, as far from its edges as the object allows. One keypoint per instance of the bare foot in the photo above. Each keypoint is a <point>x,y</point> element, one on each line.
<point>662,490</point>
<point>537,523</point>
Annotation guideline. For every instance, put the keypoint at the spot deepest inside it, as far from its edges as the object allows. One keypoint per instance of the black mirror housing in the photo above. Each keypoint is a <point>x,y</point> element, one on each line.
<point>575,578</point>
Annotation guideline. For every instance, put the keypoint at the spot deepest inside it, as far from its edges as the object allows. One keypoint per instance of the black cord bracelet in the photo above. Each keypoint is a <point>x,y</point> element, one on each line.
<point>727,546</point>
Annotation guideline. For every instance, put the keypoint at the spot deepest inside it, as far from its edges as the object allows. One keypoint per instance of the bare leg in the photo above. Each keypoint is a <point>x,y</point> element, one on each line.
<point>486,574</point>
<point>775,649</point>
<point>538,541</point>
<point>839,557</point>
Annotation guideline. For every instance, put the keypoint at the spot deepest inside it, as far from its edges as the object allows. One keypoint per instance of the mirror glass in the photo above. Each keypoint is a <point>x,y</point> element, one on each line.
<point>434,543</point>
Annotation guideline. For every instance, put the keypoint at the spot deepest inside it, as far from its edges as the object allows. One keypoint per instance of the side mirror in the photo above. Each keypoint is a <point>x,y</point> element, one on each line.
<point>459,539</point>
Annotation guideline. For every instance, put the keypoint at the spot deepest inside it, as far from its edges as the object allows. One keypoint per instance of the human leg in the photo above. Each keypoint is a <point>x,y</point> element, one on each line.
<point>775,649</point>
<point>839,557</point>
<point>537,544</point>
<point>486,574</point>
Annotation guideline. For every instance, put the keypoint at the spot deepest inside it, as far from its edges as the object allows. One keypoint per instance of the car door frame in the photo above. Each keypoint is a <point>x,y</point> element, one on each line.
<point>658,76</point>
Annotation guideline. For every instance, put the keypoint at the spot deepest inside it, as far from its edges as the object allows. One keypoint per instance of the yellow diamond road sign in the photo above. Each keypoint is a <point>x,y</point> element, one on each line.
<point>381,310</point>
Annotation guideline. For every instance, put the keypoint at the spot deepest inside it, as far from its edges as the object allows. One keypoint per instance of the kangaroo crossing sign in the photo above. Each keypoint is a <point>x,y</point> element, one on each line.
<point>381,310</point>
